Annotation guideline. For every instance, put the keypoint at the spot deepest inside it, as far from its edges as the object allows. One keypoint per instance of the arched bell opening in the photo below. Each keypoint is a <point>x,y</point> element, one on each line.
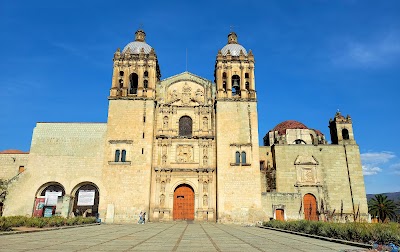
<point>86,200</point>
<point>133,83</point>
<point>345,134</point>
<point>235,85</point>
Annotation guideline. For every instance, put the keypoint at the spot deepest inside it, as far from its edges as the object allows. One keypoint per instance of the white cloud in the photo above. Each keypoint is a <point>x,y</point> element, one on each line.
<point>396,168</point>
<point>371,161</point>
<point>380,51</point>
<point>370,170</point>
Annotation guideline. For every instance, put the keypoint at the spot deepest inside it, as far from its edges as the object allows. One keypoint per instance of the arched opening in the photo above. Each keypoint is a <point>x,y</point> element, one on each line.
<point>244,157</point>
<point>145,84</point>
<point>312,138</point>
<point>121,73</point>
<point>1,208</point>
<point>165,122</point>
<point>117,155</point>
<point>86,200</point>
<point>146,74</point>
<point>183,203</point>
<point>279,214</point>
<point>247,85</point>
<point>237,157</point>
<point>310,207</point>
<point>299,141</point>
<point>224,85</point>
<point>133,83</point>
<point>46,199</point>
<point>246,75</point>
<point>123,156</point>
<point>224,75</point>
<point>185,126</point>
<point>345,134</point>
<point>235,85</point>
<point>121,83</point>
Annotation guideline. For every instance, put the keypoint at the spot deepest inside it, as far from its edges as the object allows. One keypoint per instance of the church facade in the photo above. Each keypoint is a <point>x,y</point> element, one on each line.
<point>185,148</point>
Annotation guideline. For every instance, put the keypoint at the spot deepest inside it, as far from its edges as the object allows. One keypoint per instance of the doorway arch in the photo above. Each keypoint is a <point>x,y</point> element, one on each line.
<point>183,203</point>
<point>86,200</point>
<point>310,207</point>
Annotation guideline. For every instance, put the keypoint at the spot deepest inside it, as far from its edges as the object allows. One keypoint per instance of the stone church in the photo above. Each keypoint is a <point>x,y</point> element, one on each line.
<point>185,148</point>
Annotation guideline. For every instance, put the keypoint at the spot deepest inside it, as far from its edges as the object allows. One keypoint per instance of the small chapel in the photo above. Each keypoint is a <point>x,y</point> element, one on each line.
<point>185,148</point>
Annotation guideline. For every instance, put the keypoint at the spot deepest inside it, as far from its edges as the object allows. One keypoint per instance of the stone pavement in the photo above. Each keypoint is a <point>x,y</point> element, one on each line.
<point>176,236</point>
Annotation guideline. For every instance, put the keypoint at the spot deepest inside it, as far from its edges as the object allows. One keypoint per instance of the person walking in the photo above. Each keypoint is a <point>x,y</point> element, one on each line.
<point>140,221</point>
<point>144,218</point>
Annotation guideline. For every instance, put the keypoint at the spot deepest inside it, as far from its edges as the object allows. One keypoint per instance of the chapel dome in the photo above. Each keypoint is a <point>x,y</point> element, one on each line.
<point>136,46</point>
<point>12,151</point>
<point>289,124</point>
<point>233,46</point>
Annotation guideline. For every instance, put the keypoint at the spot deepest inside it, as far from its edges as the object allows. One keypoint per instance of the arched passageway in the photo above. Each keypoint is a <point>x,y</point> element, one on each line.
<point>86,200</point>
<point>47,198</point>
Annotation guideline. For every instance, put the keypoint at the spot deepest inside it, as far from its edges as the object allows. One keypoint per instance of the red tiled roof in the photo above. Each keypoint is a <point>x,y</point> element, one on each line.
<point>13,152</point>
<point>289,124</point>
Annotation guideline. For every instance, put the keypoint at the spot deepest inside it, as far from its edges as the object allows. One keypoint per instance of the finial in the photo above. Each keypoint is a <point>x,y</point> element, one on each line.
<point>140,35</point>
<point>232,38</point>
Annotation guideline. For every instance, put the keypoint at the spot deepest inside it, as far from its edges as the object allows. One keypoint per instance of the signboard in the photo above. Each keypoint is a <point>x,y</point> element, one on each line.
<point>39,205</point>
<point>51,198</point>
<point>48,212</point>
<point>86,198</point>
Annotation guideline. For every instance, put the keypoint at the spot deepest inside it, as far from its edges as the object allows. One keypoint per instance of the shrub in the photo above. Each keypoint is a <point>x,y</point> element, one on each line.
<point>7,223</point>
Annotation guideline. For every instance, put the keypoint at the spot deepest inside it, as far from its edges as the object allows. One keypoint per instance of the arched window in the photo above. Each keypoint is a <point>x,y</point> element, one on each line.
<point>224,85</point>
<point>312,138</point>
<point>133,83</point>
<point>235,85</point>
<point>246,75</point>
<point>299,141</point>
<point>117,154</point>
<point>185,126</point>
<point>146,74</point>
<point>145,83</point>
<point>123,156</point>
<point>237,157</point>
<point>247,85</point>
<point>121,83</point>
<point>345,134</point>
<point>121,73</point>
<point>224,75</point>
<point>244,157</point>
<point>86,201</point>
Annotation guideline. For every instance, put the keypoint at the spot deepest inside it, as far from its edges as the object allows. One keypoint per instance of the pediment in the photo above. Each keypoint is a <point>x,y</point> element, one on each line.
<point>306,160</point>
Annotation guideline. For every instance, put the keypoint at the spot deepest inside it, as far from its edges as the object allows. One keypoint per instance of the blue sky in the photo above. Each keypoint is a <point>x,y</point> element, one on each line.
<point>312,58</point>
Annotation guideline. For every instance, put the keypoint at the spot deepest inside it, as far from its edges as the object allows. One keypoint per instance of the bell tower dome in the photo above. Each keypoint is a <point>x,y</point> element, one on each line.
<point>234,71</point>
<point>136,70</point>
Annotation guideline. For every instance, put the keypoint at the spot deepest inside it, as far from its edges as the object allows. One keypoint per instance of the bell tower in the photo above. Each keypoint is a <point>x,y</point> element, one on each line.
<point>130,125</point>
<point>237,135</point>
<point>341,129</point>
<point>234,71</point>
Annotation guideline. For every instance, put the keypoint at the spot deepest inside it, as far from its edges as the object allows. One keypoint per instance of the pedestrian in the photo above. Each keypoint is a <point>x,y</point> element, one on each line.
<point>144,218</point>
<point>140,221</point>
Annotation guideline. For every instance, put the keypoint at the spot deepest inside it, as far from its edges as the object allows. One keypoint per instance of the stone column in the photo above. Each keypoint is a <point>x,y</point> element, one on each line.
<point>243,91</point>
<point>229,82</point>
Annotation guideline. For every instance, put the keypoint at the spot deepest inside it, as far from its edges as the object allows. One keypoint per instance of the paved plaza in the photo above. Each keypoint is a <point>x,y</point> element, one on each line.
<point>177,236</point>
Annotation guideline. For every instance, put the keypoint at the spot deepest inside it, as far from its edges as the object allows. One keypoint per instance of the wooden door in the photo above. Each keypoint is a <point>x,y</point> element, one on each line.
<point>310,207</point>
<point>279,215</point>
<point>183,203</point>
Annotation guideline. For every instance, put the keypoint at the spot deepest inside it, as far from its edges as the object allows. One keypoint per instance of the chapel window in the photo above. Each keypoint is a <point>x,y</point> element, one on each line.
<point>185,126</point>
<point>345,134</point>
<point>244,157</point>
<point>117,154</point>
<point>123,156</point>
<point>237,157</point>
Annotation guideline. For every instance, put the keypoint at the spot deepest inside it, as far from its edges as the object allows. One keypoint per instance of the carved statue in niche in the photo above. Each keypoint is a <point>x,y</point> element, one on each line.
<point>184,153</point>
<point>205,160</point>
<point>162,200</point>
<point>205,187</point>
<point>174,95</point>
<point>205,200</point>
<point>205,123</point>
<point>165,122</point>
<point>163,186</point>
<point>164,160</point>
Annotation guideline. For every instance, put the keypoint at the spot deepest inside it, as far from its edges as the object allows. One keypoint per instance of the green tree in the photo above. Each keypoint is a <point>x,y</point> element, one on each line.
<point>382,207</point>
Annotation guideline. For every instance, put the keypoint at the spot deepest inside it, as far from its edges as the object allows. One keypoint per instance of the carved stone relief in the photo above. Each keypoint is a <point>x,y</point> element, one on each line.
<point>184,154</point>
<point>205,187</point>
<point>205,200</point>
<point>162,200</point>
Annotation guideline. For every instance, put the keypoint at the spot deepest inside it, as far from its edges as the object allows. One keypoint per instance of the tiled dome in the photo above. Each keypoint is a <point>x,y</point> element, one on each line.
<point>289,124</point>
<point>136,46</point>
<point>234,49</point>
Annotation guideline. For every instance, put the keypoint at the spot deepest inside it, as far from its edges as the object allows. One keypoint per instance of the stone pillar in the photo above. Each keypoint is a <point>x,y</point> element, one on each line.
<point>140,81</point>
<point>229,82</point>
<point>243,91</point>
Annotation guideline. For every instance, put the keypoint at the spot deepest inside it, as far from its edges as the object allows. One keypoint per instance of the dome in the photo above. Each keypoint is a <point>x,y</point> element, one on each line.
<point>136,46</point>
<point>290,124</point>
<point>234,49</point>
<point>233,46</point>
<point>13,152</point>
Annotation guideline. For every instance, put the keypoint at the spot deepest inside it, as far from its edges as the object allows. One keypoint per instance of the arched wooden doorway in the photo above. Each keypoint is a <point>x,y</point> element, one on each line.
<point>86,200</point>
<point>183,203</point>
<point>310,207</point>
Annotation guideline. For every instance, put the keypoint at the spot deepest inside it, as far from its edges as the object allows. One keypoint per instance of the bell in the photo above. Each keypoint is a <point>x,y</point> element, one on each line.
<point>235,83</point>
